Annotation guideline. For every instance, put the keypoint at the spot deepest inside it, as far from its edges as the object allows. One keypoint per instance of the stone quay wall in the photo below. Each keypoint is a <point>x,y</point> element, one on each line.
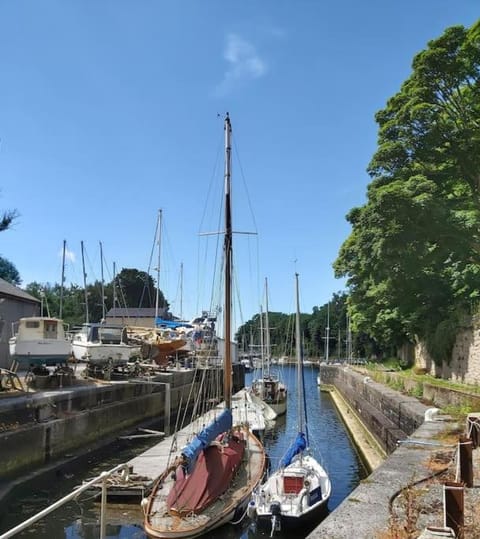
<point>37,429</point>
<point>388,415</point>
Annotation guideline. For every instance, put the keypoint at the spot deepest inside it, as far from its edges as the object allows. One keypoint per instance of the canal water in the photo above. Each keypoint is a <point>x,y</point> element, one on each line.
<point>80,519</point>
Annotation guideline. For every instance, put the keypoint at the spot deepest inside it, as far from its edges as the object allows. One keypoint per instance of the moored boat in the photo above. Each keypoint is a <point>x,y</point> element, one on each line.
<point>297,493</point>
<point>211,479</point>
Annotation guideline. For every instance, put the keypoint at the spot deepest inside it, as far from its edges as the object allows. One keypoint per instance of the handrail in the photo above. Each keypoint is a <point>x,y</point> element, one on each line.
<point>101,478</point>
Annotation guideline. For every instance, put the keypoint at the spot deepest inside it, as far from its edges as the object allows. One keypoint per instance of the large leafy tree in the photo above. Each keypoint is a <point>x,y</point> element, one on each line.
<point>136,288</point>
<point>412,258</point>
<point>9,272</point>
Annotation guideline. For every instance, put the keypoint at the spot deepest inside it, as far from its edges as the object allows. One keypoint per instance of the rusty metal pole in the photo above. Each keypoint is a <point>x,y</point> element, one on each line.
<point>453,507</point>
<point>465,461</point>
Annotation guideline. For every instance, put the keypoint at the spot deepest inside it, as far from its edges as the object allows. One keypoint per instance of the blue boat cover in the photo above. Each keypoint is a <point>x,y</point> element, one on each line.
<point>298,445</point>
<point>161,322</point>
<point>221,424</point>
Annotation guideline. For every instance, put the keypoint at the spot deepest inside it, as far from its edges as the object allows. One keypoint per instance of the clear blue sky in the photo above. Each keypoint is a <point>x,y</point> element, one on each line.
<point>108,112</point>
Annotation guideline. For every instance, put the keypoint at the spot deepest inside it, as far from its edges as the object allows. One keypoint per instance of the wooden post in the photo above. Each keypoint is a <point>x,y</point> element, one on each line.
<point>453,503</point>
<point>465,461</point>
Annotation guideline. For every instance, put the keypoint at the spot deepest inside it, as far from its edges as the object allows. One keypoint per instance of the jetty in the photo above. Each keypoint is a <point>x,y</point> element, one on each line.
<point>145,468</point>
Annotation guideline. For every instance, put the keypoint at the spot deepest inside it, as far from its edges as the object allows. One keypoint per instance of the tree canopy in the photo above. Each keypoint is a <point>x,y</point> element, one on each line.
<point>412,258</point>
<point>9,272</point>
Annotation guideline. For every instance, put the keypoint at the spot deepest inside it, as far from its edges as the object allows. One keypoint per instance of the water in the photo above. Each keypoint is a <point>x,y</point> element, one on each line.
<point>79,520</point>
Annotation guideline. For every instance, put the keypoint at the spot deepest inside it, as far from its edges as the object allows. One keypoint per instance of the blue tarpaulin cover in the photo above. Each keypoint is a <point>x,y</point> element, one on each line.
<point>222,423</point>
<point>298,445</point>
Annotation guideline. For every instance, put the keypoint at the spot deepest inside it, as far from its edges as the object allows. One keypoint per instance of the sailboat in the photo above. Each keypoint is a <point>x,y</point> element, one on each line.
<point>162,341</point>
<point>297,493</point>
<point>269,388</point>
<point>211,480</point>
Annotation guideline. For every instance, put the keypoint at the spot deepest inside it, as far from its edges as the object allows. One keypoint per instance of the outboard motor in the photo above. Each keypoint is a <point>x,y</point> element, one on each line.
<point>275,510</point>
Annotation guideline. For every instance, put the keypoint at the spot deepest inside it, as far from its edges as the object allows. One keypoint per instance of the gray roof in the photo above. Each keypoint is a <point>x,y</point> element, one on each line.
<point>135,312</point>
<point>8,289</point>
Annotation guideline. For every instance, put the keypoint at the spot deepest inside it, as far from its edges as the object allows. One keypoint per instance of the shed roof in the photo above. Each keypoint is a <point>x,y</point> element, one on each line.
<point>8,289</point>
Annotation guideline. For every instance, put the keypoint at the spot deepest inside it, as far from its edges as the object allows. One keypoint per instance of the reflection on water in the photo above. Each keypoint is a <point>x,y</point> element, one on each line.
<point>80,519</point>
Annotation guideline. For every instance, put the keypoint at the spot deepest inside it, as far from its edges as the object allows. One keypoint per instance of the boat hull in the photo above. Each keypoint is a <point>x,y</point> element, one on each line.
<point>160,524</point>
<point>100,354</point>
<point>40,352</point>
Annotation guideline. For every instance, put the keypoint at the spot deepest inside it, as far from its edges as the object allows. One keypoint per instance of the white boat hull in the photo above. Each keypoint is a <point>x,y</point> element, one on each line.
<point>296,504</point>
<point>103,353</point>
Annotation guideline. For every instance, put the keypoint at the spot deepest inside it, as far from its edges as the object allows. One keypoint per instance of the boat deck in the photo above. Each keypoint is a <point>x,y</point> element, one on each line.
<point>147,467</point>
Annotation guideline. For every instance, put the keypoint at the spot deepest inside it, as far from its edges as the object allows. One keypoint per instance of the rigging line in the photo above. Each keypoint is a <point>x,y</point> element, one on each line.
<point>237,154</point>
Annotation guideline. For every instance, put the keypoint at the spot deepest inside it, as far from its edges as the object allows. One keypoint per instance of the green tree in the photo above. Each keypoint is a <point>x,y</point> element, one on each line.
<point>412,259</point>
<point>137,289</point>
<point>9,272</point>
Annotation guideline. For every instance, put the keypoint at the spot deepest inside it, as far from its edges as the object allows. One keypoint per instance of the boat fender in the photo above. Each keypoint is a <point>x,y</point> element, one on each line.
<point>251,509</point>
<point>144,504</point>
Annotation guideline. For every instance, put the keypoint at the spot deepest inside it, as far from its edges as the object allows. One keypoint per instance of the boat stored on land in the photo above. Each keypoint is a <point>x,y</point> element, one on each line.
<point>39,340</point>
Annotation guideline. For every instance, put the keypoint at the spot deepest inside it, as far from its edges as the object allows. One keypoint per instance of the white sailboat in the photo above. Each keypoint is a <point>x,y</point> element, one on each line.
<point>211,479</point>
<point>269,389</point>
<point>297,493</point>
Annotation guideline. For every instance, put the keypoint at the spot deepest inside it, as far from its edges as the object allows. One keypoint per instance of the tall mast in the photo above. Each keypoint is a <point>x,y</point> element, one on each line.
<point>327,333</point>
<point>159,237</point>
<point>262,347</point>
<point>299,357</point>
<point>85,285</point>
<point>60,315</point>
<point>267,330</point>
<point>227,365</point>
<point>181,291</point>
<point>103,282</point>
<point>114,291</point>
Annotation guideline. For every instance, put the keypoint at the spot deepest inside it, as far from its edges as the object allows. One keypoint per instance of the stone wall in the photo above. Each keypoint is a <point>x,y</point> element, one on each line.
<point>464,365</point>
<point>388,415</point>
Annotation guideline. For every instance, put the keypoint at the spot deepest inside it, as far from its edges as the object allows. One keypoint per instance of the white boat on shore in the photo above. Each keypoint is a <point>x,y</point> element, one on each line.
<point>39,340</point>
<point>99,344</point>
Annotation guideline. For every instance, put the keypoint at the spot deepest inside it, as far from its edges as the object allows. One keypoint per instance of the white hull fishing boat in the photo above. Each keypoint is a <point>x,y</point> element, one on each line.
<point>297,493</point>
<point>39,340</point>
<point>210,481</point>
<point>99,344</point>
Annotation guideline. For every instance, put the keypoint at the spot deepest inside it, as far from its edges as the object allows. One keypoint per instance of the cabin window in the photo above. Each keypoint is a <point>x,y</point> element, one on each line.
<point>292,484</point>
<point>32,324</point>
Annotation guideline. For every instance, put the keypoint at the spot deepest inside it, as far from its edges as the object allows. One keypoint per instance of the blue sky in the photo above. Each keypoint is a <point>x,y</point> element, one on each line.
<point>109,112</point>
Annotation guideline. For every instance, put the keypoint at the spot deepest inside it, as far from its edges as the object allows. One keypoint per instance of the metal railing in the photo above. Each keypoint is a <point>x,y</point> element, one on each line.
<point>103,509</point>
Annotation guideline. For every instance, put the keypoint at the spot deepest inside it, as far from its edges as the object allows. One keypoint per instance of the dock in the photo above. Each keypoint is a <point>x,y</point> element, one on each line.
<point>149,465</point>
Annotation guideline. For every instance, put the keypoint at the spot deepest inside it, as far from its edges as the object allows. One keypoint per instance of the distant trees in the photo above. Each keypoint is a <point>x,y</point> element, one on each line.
<point>133,288</point>
<point>282,332</point>
<point>412,260</point>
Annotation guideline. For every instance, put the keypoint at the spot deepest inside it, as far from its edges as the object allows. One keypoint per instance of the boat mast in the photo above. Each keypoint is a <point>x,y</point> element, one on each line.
<point>103,282</point>
<point>227,364</point>
<point>85,285</point>
<point>327,334</point>
<point>181,291</point>
<point>267,330</point>
<point>298,349</point>
<point>262,350</point>
<point>159,236</point>
<point>60,315</point>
